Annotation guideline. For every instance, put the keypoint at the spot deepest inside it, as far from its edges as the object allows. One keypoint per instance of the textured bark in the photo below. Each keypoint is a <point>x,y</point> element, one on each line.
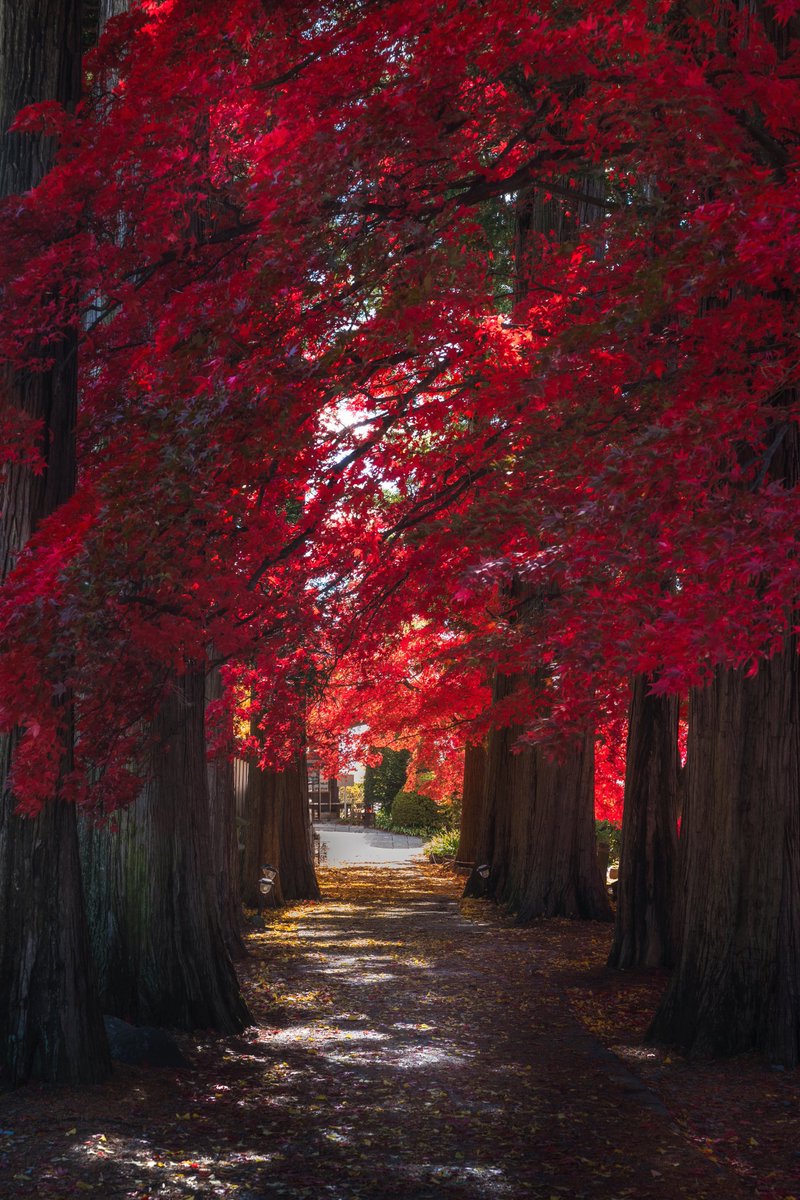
<point>152,890</point>
<point>50,1022</point>
<point>472,803</point>
<point>648,912</point>
<point>50,1019</point>
<point>279,833</point>
<point>224,839</point>
<point>736,986</point>
<point>538,829</point>
<point>298,877</point>
<point>563,875</point>
<point>262,834</point>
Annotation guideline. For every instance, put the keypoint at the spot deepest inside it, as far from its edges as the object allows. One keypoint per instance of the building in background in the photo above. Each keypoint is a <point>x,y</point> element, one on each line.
<point>346,795</point>
<point>331,799</point>
<point>323,791</point>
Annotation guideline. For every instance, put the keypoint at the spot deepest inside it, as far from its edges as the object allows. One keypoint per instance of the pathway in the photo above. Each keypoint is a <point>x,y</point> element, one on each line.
<point>353,844</point>
<point>447,1063</point>
<point>402,1051</point>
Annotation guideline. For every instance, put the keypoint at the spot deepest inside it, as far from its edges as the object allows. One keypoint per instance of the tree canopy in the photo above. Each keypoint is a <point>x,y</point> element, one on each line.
<point>317,418</point>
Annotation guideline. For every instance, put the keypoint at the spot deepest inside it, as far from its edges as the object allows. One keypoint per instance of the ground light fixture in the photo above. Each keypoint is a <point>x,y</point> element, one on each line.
<point>267,881</point>
<point>266,884</point>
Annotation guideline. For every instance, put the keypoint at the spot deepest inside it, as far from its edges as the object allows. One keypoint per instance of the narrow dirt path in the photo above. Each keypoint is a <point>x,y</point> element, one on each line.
<point>446,1059</point>
<point>402,1050</point>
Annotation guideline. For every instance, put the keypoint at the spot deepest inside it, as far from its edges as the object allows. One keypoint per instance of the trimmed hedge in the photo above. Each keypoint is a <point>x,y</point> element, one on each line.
<point>414,810</point>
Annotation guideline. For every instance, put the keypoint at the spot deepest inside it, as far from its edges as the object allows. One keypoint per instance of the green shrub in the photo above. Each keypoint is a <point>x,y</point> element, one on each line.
<point>385,821</point>
<point>606,831</point>
<point>412,809</point>
<point>383,782</point>
<point>417,816</point>
<point>450,813</point>
<point>443,846</point>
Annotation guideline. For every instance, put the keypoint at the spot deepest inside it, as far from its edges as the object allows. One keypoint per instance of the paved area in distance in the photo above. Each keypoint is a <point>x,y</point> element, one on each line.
<point>353,844</point>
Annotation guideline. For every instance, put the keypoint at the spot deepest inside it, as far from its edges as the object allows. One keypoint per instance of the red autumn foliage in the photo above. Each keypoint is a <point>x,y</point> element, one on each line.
<point>311,415</point>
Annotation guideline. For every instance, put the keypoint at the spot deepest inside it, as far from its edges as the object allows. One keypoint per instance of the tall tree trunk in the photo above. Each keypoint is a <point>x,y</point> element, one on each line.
<point>152,889</point>
<point>563,874</point>
<point>648,917</point>
<point>736,985</point>
<point>50,1022</point>
<point>263,801</point>
<point>298,877</point>
<point>472,802</point>
<point>537,835</point>
<point>279,833</point>
<point>224,839</point>
<point>50,1018</point>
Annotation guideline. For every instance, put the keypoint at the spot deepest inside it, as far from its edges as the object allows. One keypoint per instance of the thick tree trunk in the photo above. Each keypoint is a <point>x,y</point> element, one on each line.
<point>263,802</point>
<point>225,853</point>
<point>648,916</point>
<point>50,1019</point>
<point>472,802</point>
<point>298,877</point>
<point>563,875</point>
<point>152,891</point>
<point>538,829</point>
<point>505,813</point>
<point>736,986</point>
<point>50,1022</point>
<point>224,839</point>
<point>279,833</point>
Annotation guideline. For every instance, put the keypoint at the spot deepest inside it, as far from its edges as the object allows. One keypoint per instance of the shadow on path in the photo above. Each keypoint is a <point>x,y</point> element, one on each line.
<point>402,1051</point>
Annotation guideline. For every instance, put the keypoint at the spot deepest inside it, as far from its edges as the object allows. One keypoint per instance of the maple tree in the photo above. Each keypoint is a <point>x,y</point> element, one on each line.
<point>307,420</point>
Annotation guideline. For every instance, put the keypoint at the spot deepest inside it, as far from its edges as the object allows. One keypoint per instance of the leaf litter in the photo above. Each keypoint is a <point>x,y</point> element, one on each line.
<point>410,1046</point>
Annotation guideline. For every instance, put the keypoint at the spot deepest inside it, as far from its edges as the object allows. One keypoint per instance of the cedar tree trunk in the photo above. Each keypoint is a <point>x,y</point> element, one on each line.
<point>736,986</point>
<point>298,877</point>
<point>538,829</point>
<point>224,839</point>
<point>647,920</point>
<point>538,833</point>
<point>50,1018</point>
<point>50,1022</point>
<point>152,888</point>
<point>262,834</point>
<point>279,833</point>
<point>472,802</point>
<point>563,875</point>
